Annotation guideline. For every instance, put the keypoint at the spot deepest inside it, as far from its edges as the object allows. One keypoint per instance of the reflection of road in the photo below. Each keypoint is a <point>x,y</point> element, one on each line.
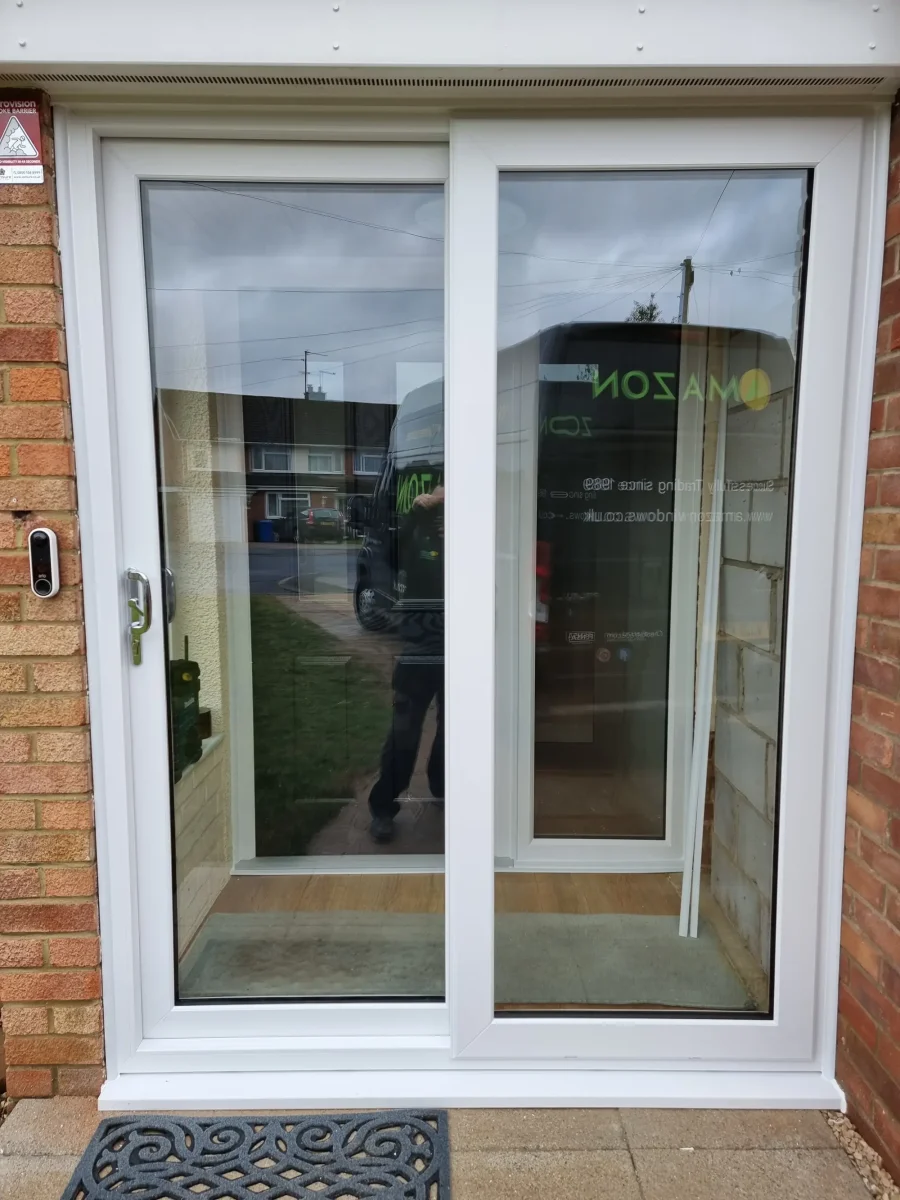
<point>281,567</point>
<point>420,823</point>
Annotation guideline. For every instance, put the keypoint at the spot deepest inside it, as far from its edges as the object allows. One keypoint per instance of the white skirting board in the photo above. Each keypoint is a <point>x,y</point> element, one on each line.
<point>358,1090</point>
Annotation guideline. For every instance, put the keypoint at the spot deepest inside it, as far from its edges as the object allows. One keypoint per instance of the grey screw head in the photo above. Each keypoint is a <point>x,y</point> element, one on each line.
<point>336,46</point>
<point>640,45</point>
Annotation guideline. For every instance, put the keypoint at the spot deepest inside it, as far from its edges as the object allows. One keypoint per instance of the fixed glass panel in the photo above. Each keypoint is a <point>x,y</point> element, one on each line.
<point>647,330</point>
<point>297,350</point>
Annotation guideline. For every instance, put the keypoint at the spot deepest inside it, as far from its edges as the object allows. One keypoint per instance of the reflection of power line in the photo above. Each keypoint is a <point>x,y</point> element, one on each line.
<point>319,212</point>
<point>532,305</point>
<point>564,298</point>
<point>763,276</point>
<point>712,214</point>
<point>427,237</point>
<point>289,337</point>
<point>742,261</point>
<point>297,337</point>
<point>431,340</point>
<point>378,291</point>
<point>298,358</point>
<point>536,304</point>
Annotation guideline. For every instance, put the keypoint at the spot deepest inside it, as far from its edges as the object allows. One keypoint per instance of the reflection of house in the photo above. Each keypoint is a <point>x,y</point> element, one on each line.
<point>310,453</point>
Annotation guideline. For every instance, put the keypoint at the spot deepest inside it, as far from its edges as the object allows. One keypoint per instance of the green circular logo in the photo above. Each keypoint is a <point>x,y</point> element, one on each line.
<point>755,388</point>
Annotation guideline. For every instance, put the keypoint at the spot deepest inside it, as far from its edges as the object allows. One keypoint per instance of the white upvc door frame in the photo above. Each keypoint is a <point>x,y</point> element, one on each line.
<point>480,149</point>
<point>123,165</point>
<point>274,1054</point>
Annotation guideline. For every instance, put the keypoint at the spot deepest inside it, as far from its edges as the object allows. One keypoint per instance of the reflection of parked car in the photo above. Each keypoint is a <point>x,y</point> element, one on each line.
<point>314,525</point>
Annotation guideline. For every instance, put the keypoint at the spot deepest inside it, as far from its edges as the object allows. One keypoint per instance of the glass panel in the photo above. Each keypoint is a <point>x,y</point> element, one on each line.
<point>297,345</point>
<point>648,330</point>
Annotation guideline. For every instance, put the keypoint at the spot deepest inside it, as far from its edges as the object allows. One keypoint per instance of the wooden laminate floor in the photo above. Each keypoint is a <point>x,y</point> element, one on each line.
<point>515,892</point>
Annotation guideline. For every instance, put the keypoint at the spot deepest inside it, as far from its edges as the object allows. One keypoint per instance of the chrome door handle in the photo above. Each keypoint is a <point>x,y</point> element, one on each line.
<point>169,593</point>
<point>140,609</point>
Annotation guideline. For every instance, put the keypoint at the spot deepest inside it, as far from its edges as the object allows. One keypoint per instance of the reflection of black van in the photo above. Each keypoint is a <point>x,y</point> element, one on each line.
<point>608,394</point>
<point>414,465</point>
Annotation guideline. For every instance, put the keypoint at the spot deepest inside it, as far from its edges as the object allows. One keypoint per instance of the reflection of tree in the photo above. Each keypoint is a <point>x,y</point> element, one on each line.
<point>644,313</point>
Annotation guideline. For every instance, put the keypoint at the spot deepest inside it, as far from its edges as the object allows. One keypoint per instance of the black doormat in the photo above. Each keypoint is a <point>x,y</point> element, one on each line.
<point>393,1155</point>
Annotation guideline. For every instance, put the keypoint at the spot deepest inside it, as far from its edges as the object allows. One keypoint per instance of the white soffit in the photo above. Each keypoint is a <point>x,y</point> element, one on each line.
<point>452,86</point>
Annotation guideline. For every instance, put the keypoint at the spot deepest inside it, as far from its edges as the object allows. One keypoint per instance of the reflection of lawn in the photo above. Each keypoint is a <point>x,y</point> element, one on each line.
<point>319,719</point>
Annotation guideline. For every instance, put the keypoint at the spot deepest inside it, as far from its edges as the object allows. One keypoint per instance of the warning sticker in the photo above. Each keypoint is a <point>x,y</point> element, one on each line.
<point>20,142</point>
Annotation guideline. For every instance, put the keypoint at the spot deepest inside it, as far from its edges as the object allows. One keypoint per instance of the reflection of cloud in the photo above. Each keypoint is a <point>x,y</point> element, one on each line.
<point>242,286</point>
<point>244,280</point>
<point>595,243</point>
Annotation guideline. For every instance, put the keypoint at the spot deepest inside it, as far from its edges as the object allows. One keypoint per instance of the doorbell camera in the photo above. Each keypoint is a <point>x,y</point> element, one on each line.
<point>43,558</point>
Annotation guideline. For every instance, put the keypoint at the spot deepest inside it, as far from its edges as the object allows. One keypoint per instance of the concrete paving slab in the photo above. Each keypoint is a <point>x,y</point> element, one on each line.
<point>726,1129</point>
<point>523,1175</point>
<point>63,1125</point>
<point>30,1177</point>
<point>536,1129</point>
<point>747,1175</point>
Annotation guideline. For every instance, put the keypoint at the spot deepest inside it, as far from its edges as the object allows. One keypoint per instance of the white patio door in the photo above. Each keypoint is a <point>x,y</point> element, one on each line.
<point>423,625</point>
<point>277,321</point>
<point>630,301</point>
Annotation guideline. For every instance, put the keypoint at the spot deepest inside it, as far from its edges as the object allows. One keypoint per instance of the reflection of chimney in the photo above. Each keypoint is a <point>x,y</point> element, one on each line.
<point>317,394</point>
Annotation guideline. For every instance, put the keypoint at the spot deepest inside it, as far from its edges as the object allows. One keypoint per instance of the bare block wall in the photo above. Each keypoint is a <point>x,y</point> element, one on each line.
<point>49,947</point>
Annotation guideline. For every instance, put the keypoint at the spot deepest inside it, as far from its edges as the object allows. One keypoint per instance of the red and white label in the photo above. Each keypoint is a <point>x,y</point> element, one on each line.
<point>20,142</point>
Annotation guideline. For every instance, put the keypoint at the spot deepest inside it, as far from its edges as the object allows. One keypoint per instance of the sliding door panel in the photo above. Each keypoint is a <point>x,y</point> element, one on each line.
<point>297,347</point>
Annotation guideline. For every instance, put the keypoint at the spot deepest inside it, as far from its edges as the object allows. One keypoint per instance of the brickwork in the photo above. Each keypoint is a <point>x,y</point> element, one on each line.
<point>49,947</point>
<point>869,1010</point>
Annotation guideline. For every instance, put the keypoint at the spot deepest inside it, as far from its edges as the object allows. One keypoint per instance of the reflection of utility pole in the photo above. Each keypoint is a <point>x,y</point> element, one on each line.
<point>687,279</point>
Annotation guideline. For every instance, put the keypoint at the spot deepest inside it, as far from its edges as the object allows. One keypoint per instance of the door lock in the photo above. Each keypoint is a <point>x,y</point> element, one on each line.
<point>140,610</point>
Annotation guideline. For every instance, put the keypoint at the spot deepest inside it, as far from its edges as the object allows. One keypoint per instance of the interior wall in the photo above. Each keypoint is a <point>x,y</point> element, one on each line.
<point>195,551</point>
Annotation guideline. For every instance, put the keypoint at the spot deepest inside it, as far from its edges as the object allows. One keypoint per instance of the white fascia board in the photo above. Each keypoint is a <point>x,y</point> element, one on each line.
<point>564,34</point>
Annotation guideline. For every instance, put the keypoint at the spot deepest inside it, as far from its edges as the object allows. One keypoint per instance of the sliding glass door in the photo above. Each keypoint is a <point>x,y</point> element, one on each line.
<point>629,306</point>
<point>475,587</point>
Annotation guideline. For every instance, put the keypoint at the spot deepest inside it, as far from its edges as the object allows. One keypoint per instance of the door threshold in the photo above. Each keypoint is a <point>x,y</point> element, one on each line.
<point>461,1086</point>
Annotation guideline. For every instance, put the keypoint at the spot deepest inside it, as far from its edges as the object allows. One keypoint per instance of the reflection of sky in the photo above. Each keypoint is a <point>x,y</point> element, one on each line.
<point>586,247</point>
<point>244,280</point>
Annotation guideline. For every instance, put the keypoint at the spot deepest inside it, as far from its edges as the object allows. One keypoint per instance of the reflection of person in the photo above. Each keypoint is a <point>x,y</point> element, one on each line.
<point>419,671</point>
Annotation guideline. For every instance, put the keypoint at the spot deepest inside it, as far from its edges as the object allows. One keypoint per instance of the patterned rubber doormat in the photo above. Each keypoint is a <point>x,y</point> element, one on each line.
<point>396,1155</point>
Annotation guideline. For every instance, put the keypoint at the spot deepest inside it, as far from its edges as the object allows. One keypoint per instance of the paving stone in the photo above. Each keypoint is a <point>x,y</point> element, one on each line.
<point>524,1175</point>
<point>29,1177</point>
<point>63,1125</point>
<point>748,1175</point>
<point>536,1129</point>
<point>726,1128</point>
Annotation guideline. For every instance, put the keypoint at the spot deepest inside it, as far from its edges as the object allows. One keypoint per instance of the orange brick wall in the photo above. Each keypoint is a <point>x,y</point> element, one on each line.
<point>869,1007</point>
<point>49,948</point>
